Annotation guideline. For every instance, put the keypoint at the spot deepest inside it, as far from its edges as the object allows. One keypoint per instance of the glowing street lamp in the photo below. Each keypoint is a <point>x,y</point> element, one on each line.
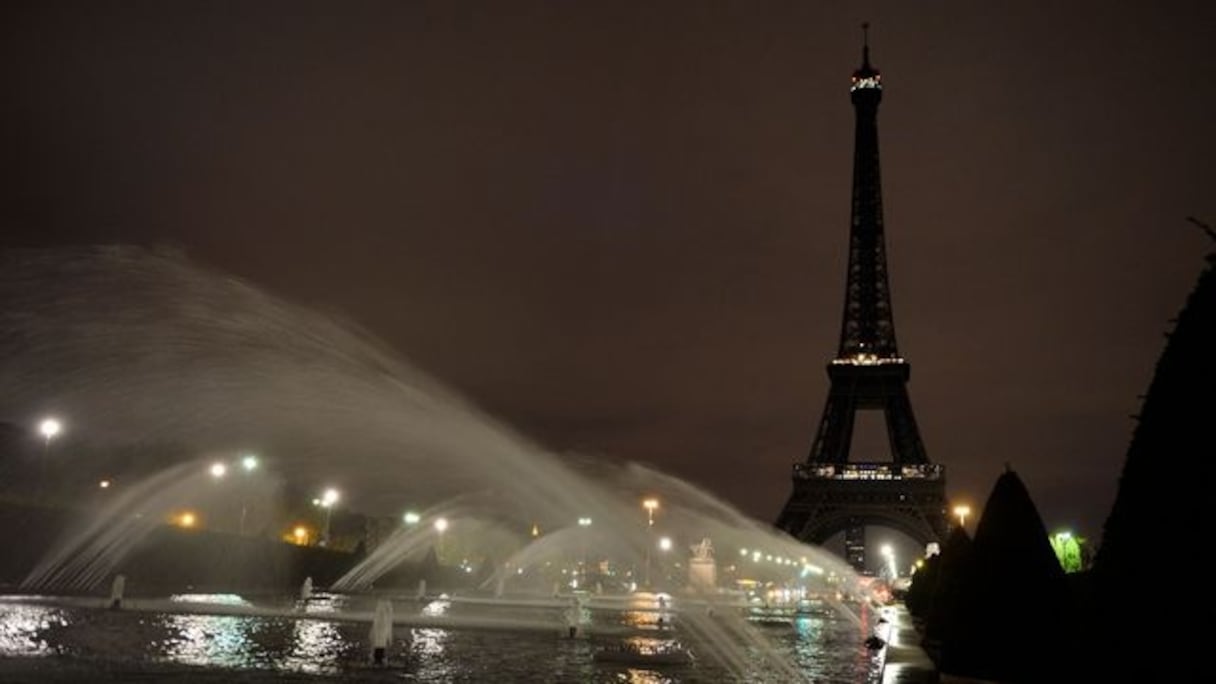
<point>218,470</point>
<point>889,553</point>
<point>441,526</point>
<point>249,464</point>
<point>411,518</point>
<point>962,511</point>
<point>664,546</point>
<point>650,505</point>
<point>49,427</point>
<point>327,501</point>
<point>584,522</point>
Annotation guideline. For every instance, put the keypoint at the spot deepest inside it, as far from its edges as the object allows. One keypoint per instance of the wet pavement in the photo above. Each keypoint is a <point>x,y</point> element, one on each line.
<point>906,662</point>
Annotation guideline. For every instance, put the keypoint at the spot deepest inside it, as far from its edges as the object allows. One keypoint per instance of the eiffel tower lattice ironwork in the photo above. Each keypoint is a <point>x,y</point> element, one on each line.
<point>831,493</point>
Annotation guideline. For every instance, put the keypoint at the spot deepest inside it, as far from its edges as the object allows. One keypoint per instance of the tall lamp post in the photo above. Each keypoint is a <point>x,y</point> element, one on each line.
<point>441,526</point>
<point>249,464</point>
<point>664,546</point>
<point>327,501</point>
<point>49,428</point>
<point>962,511</point>
<point>651,505</point>
<point>889,553</point>
<point>584,522</point>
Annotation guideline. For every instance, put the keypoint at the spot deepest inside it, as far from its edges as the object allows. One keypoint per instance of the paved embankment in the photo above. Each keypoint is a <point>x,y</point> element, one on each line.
<point>905,662</point>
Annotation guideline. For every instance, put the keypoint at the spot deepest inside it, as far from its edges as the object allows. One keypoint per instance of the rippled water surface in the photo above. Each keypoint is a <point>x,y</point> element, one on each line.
<point>64,640</point>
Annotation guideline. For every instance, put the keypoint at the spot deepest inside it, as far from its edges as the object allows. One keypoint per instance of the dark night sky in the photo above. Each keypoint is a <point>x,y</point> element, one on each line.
<point>621,226</point>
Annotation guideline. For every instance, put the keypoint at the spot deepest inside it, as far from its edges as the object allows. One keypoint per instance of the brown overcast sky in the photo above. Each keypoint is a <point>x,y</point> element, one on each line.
<point>621,226</point>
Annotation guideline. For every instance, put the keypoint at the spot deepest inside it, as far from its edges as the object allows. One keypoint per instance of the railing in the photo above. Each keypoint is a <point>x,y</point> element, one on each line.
<point>862,359</point>
<point>869,471</point>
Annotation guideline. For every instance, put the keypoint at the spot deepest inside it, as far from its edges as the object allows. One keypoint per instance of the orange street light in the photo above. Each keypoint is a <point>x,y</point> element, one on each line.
<point>962,511</point>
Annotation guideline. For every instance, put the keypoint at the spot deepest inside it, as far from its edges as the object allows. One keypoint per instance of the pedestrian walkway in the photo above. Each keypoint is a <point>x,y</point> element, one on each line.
<point>905,662</point>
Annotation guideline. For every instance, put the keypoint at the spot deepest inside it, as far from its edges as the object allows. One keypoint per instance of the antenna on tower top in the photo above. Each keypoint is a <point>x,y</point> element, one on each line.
<point>865,43</point>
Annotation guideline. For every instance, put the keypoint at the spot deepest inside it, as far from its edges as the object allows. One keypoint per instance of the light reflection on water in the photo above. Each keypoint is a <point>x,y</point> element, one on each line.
<point>22,627</point>
<point>825,646</point>
<point>634,676</point>
<point>207,639</point>
<point>317,648</point>
<point>221,599</point>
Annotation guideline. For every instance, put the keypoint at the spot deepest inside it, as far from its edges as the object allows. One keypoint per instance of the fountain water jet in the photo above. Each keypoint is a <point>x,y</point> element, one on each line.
<point>158,351</point>
<point>116,590</point>
<point>381,631</point>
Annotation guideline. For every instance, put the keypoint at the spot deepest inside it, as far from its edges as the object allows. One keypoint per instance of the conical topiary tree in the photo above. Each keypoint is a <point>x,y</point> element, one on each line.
<point>1008,621</point>
<point>1157,526</point>
<point>952,568</point>
<point>920,593</point>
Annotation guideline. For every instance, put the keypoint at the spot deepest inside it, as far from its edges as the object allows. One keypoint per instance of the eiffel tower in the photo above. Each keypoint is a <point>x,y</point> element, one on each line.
<point>831,493</point>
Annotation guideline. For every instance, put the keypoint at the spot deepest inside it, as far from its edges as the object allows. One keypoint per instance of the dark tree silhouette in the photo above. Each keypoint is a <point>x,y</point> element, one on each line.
<point>1157,526</point>
<point>1008,621</point>
<point>953,566</point>
<point>924,583</point>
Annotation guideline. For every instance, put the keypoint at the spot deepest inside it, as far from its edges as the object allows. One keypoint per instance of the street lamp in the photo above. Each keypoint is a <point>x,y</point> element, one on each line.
<point>218,470</point>
<point>411,518</point>
<point>327,501</point>
<point>650,505</point>
<point>249,463</point>
<point>889,554</point>
<point>584,522</point>
<point>962,511</point>
<point>49,427</point>
<point>664,546</point>
<point>441,525</point>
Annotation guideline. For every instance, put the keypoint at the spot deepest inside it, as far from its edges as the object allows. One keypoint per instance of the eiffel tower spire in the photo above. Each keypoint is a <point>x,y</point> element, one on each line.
<point>868,329</point>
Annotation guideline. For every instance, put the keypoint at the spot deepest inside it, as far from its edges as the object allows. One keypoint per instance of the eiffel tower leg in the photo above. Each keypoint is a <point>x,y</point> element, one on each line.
<point>855,546</point>
<point>901,428</point>
<point>835,434</point>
